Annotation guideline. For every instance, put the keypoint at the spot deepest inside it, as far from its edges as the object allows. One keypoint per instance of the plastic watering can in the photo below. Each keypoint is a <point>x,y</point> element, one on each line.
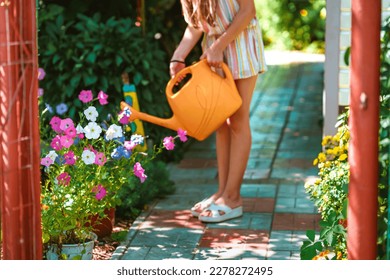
<point>201,105</point>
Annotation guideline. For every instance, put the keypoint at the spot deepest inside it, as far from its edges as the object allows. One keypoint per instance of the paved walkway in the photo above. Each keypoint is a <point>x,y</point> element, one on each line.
<point>286,117</point>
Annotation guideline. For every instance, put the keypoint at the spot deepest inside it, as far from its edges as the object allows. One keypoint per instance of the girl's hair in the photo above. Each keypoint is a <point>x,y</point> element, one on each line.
<point>196,11</point>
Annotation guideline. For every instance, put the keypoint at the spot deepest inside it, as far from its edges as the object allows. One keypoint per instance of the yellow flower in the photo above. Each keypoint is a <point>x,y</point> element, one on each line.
<point>330,151</point>
<point>303,12</point>
<point>315,162</point>
<point>321,157</point>
<point>326,140</point>
<point>343,157</point>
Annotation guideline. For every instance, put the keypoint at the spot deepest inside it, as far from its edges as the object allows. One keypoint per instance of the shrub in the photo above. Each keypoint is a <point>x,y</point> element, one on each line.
<point>293,24</point>
<point>329,194</point>
<point>90,52</point>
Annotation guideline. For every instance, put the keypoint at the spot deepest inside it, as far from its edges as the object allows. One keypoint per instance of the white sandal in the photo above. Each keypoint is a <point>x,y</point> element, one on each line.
<point>204,204</point>
<point>216,216</point>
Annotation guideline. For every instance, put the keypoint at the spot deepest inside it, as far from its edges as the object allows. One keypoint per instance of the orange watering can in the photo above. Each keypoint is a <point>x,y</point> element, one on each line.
<point>201,105</point>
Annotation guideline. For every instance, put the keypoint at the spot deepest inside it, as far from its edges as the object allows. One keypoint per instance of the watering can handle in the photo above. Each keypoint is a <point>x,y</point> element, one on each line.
<point>188,70</point>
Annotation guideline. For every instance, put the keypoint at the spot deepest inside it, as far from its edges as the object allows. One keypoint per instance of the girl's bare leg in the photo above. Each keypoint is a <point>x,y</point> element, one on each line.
<point>234,142</point>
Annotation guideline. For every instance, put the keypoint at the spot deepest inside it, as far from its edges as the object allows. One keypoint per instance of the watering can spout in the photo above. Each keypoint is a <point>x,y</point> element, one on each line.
<point>171,123</point>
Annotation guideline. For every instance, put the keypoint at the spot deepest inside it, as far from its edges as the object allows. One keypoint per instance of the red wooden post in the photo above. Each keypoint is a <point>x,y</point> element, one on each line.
<point>19,132</point>
<point>364,125</point>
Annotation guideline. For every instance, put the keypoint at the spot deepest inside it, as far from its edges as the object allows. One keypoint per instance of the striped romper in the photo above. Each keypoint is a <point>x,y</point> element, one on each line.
<point>244,55</point>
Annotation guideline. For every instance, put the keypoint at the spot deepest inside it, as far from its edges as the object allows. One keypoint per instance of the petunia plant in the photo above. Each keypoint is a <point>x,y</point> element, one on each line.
<point>85,165</point>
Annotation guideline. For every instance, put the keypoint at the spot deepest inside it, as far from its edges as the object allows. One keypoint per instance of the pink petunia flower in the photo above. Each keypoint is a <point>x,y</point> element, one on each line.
<point>55,123</point>
<point>139,172</point>
<point>69,157</point>
<point>85,96</point>
<point>168,143</point>
<point>40,92</point>
<point>63,179</point>
<point>56,143</point>
<point>124,119</point>
<point>182,135</point>
<point>100,158</point>
<point>71,132</point>
<point>100,192</point>
<point>66,123</point>
<point>102,98</point>
<point>46,161</point>
<point>66,141</point>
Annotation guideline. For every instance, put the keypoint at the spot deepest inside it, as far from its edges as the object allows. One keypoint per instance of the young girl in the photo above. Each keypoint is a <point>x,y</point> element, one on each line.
<point>231,35</point>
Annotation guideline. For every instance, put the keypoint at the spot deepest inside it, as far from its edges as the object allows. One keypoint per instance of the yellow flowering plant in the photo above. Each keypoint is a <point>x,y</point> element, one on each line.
<point>329,193</point>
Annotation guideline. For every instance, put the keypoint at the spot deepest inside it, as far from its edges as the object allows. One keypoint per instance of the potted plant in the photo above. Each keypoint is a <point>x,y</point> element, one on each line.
<point>87,163</point>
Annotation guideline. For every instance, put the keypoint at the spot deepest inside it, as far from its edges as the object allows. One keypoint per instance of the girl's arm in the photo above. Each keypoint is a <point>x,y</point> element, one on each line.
<point>190,37</point>
<point>246,13</point>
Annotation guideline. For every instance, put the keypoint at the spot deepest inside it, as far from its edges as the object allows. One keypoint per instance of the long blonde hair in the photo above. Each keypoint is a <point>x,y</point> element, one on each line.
<point>196,11</point>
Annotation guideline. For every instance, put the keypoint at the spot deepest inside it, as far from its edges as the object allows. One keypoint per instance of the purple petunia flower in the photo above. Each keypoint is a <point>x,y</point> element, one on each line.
<point>41,74</point>
<point>61,108</point>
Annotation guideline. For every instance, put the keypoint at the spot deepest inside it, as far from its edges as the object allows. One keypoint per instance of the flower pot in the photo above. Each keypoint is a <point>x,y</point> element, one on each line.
<point>103,227</point>
<point>81,251</point>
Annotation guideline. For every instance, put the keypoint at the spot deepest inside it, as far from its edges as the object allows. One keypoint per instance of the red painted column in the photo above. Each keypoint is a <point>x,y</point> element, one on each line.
<point>19,132</point>
<point>364,125</point>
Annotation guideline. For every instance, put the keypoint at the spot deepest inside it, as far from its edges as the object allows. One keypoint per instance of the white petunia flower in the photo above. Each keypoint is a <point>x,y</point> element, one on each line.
<point>79,129</point>
<point>92,130</point>
<point>88,157</point>
<point>52,155</point>
<point>91,113</point>
<point>114,131</point>
<point>137,139</point>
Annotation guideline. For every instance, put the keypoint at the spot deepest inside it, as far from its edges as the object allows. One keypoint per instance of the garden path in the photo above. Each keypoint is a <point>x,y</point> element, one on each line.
<point>286,119</point>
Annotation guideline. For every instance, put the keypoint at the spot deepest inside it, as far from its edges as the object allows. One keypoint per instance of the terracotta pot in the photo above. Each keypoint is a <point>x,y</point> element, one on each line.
<point>103,227</point>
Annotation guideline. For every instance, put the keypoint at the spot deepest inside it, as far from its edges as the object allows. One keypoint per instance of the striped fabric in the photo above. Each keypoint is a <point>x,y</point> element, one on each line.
<point>245,55</point>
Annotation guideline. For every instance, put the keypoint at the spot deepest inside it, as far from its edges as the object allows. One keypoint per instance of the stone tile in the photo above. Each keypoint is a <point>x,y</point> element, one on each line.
<point>235,238</point>
<point>258,205</point>
<point>258,190</point>
<point>290,221</point>
<point>135,253</point>
<point>171,219</point>
<point>167,237</point>
<point>280,255</point>
<point>253,221</point>
<point>229,254</point>
<point>284,241</point>
<point>157,253</point>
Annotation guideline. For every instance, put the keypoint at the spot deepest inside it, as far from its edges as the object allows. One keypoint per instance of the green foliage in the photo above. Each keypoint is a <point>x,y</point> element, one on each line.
<point>329,194</point>
<point>87,51</point>
<point>293,24</point>
<point>384,145</point>
<point>334,213</point>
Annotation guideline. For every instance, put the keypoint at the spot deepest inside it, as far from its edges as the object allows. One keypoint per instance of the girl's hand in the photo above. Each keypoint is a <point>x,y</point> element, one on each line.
<point>175,66</point>
<point>213,56</point>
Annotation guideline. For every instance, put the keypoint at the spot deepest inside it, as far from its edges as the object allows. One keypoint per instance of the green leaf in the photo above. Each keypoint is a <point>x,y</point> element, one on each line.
<point>91,58</point>
<point>311,235</point>
<point>347,55</point>
<point>118,60</point>
<point>137,78</point>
